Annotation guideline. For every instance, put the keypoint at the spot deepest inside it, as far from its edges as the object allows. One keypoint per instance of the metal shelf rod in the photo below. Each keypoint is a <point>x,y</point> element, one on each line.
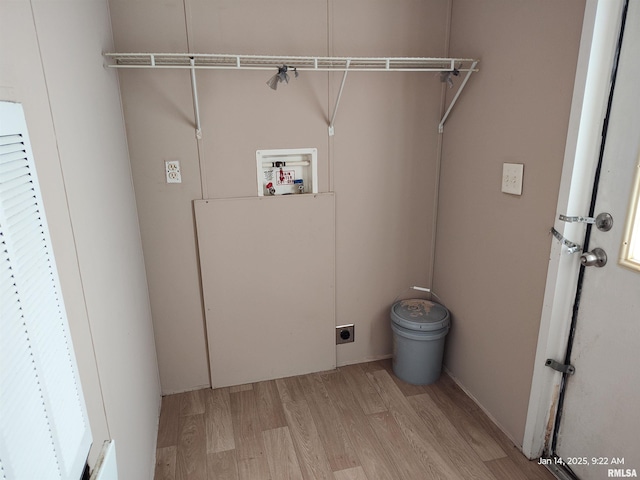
<point>335,109</point>
<point>196,107</point>
<point>455,98</point>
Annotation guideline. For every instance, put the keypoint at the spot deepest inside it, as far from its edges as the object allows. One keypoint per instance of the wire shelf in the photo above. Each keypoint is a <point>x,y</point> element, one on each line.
<point>269,62</point>
<point>213,61</point>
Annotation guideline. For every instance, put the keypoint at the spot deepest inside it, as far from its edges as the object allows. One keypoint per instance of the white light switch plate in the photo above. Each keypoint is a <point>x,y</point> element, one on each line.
<point>512,178</point>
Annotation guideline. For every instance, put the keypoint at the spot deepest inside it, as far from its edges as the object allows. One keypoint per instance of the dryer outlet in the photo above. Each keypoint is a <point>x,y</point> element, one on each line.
<point>345,333</point>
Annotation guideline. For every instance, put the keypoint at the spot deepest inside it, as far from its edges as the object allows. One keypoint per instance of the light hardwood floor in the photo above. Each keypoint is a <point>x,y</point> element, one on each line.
<point>355,423</point>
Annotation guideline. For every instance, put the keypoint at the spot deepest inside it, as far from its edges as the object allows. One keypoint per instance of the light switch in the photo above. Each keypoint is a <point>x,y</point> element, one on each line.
<point>512,178</point>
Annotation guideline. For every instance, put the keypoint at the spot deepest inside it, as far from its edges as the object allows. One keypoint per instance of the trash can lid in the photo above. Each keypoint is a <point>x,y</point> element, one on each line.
<point>418,314</point>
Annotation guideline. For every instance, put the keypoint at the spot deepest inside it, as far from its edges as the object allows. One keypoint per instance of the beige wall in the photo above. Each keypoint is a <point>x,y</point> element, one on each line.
<point>493,248</point>
<point>384,161</point>
<point>380,164</point>
<point>74,116</point>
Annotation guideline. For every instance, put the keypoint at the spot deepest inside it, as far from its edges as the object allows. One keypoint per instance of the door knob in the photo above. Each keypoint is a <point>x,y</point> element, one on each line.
<point>595,258</point>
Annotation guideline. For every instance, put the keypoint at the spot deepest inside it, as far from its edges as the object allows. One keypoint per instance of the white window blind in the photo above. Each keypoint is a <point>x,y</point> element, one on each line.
<point>44,430</point>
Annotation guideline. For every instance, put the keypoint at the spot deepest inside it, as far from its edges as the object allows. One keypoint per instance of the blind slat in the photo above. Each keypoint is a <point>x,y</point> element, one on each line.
<point>11,159</point>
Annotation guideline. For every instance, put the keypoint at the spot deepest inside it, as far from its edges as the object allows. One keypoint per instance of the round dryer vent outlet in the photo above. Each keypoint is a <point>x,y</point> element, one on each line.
<point>345,334</point>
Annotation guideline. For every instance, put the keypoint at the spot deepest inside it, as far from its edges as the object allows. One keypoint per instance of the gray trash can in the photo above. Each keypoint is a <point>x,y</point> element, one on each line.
<point>419,330</point>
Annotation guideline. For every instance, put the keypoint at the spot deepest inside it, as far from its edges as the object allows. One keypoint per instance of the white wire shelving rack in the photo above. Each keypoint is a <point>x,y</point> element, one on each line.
<point>197,61</point>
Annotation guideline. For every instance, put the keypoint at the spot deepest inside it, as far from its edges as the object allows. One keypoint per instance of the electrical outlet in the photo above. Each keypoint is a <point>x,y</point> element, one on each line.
<point>345,333</point>
<point>172,169</point>
<point>512,178</point>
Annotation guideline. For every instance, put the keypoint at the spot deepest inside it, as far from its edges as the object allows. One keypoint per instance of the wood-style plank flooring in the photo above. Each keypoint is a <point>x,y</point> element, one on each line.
<point>355,423</point>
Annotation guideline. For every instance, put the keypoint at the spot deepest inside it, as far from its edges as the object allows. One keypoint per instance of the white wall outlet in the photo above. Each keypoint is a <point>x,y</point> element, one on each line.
<point>512,178</point>
<point>172,169</point>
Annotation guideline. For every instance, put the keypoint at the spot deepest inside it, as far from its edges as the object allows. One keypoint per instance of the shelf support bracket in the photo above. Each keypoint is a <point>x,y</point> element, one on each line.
<point>455,98</point>
<point>335,110</point>
<point>194,92</point>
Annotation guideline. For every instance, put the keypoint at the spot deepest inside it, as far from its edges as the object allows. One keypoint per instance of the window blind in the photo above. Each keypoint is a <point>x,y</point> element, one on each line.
<point>44,430</point>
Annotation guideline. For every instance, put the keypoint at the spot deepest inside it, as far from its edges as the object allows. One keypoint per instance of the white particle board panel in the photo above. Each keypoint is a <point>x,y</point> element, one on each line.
<point>268,280</point>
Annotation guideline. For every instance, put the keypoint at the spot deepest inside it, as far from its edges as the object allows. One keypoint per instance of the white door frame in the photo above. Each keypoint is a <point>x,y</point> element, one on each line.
<point>590,95</point>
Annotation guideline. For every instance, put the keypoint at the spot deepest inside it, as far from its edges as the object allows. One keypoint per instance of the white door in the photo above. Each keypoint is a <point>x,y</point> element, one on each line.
<point>599,426</point>
<point>44,428</point>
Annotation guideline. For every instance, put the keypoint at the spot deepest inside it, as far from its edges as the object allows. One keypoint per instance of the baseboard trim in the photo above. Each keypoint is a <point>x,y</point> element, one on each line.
<point>375,358</point>
<point>517,444</point>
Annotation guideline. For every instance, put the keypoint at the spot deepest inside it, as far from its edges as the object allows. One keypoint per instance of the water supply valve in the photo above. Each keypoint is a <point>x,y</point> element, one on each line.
<point>287,171</point>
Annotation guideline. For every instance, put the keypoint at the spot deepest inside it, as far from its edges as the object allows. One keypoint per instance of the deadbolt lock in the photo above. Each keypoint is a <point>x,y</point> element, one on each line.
<point>604,222</point>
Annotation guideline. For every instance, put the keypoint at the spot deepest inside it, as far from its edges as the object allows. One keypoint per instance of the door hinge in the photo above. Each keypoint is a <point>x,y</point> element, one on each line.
<point>560,367</point>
